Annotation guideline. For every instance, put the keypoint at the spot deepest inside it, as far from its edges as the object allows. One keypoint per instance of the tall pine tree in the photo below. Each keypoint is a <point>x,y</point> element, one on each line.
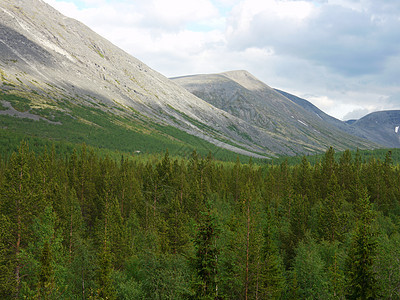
<point>206,256</point>
<point>361,276</point>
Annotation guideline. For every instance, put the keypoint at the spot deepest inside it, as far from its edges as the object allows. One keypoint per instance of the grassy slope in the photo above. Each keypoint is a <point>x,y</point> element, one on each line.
<point>112,134</point>
<point>97,128</point>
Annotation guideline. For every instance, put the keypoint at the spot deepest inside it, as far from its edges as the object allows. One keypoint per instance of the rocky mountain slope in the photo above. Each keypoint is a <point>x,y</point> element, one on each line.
<point>244,96</point>
<point>58,58</point>
<point>52,66</point>
<point>319,113</point>
<point>383,127</point>
<point>378,127</point>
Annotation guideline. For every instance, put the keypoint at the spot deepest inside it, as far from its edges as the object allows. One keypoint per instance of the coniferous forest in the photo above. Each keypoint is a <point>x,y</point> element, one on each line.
<point>85,226</point>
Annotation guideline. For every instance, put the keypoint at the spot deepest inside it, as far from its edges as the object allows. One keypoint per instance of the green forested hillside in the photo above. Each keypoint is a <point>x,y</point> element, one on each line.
<point>85,226</point>
<point>67,123</point>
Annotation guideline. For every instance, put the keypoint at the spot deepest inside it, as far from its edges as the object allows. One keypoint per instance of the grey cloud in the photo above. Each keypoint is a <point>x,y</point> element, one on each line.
<point>347,41</point>
<point>393,101</point>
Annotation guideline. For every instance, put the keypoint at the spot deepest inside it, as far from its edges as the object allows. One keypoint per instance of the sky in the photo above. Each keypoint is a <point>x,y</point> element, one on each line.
<point>341,55</point>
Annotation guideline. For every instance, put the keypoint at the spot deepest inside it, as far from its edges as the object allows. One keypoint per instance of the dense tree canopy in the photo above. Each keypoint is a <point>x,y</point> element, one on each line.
<point>91,227</point>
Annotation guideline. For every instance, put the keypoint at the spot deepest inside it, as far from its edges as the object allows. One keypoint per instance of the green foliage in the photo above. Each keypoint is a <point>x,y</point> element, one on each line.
<point>98,128</point>
<point>46,283</point>
<point>18,103</point>
<point>310,271</point>
<point>88,225</point>
<point>206,256</point>
<point>106,288</point>
<point>6,258</point>
<point>362,282</point>
<point>272,283</point>
<point>387,265</point>
<point>363,156</point>
<point>159,276</point>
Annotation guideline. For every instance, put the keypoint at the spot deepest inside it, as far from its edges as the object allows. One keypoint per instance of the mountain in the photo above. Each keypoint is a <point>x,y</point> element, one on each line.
<point>60,80</point>
<point>319,113</point>
<point>285,117</point>
<point>350,122</point>
<point>60,65</point>
<point>341,125</point>
<point>378,127</point>
<point>383,127</point>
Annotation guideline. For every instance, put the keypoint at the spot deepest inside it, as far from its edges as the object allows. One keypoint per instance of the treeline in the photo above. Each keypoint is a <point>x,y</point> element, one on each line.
<point>181,144</point>
<point>365,155</point>
<point>91,227</point>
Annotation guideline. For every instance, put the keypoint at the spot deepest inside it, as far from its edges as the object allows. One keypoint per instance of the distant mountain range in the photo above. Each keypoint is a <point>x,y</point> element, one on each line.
<point>61,80</point>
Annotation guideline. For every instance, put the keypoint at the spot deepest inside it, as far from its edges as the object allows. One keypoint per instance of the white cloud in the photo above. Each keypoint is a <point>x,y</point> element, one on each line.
<point>67,8</point>
<point>356,114</point>
<point>175,13</point>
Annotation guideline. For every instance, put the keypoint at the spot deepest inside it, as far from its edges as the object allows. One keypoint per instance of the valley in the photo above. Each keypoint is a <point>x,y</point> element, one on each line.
<point>117,182</point>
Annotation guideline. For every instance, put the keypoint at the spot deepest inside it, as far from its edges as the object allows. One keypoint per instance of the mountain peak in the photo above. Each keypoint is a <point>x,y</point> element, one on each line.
<point>245,79</point>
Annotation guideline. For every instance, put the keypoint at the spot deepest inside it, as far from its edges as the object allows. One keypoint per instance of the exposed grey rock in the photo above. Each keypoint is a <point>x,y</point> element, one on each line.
<point>10,111</point>
<point>244,96</point>
<point>382,127</point>
<point>378,127</point>
<point>66,59</point>
<point>60,58</point>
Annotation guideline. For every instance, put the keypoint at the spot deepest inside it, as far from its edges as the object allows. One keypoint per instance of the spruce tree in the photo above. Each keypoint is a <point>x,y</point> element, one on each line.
<point>303,183</point>
<point>361,277</point>
<point>7,284</point>
<point>329,167</point>
<point>332,218</point>
<point>46,284</point>
<point>206,256</point>
<point>346,173</point>
<point>106,286</point>
<point>20,198</point>
<point>272,272</point>
<point>177,231</point>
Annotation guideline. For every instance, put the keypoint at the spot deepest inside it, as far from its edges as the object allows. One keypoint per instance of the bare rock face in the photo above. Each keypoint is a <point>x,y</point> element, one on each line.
<point>380,127</point>
<point>244,96</point>
<point>383,127</point>
<point>59,58</point>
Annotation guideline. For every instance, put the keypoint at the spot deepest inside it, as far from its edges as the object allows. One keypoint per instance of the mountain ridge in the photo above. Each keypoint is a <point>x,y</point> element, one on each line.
<point>243,95</point>
<point>68,65</point>
<point>97,71</point>
<point>363,127</point>
<point>381,126</point>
